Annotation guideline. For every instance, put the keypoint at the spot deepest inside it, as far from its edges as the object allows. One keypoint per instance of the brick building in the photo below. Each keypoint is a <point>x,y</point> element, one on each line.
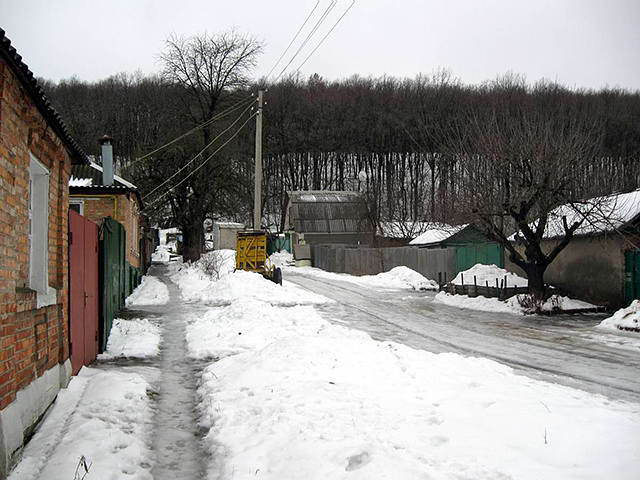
<point>95,198</point>
<point>36,156</point>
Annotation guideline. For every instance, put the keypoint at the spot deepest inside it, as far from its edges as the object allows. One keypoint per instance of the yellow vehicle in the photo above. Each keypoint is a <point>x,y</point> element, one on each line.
<point>251,255</point>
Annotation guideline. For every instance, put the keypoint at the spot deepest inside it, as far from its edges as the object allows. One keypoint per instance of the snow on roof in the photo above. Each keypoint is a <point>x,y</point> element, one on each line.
<point>436,233</point>
<point>80,182</point>
<point>599,215</point>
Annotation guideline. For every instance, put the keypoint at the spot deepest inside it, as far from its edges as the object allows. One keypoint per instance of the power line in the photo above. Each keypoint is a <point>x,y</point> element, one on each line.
<point>293,39</point>
<point>200,152</point>
<point>308,37</point>
<point>204,162</point>
<point>198,127</point>
<point>326,35</point>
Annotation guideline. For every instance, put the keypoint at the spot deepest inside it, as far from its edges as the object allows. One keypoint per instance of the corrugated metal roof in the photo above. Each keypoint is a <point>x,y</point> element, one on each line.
<point>327,212</point>
<point>28,80</point>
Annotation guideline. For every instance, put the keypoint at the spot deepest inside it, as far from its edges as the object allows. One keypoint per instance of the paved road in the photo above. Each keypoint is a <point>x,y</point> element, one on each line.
<point>564,349</point>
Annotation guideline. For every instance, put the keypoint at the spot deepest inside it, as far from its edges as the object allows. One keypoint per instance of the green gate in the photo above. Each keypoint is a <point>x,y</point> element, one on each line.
<point>278,242</point>
<point>631,275</point>
<point>485,253</point>
<point>112,275</point>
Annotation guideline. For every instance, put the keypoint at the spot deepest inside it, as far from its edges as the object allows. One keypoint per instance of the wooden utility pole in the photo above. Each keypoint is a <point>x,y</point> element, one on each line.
<point>257,195</point>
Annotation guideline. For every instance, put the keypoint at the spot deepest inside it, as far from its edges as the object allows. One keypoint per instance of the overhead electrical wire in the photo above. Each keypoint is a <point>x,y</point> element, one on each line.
<point>308,37</point>
<point>199,153</point>
<point>203,163</point>
<point>293,39</point>
<point>206,123</point>
<point>326,35</point>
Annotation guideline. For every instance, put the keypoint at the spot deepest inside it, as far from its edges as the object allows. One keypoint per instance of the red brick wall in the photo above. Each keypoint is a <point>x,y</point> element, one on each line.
<point>31,340</point>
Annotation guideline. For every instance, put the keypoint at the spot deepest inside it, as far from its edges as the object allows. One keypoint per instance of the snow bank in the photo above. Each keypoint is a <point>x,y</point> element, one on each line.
<point>197,286</point>
<point>282,258</point>
<point>297,397</point>
<point>489,273</point>
<point>624,319</point>
<point>398,278</point>
<point>133,338</point>
<point>162,254</point>
<point>512,305</point>
<point>103,416</point>
<point>151,291</point>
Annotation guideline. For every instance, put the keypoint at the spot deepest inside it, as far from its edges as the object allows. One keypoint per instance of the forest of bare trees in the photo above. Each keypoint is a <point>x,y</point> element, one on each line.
<point>418,140</point>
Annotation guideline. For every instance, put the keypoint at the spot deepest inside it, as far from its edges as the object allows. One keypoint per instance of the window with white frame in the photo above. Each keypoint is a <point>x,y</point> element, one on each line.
<point>77,205</point>
<point>38,226</point>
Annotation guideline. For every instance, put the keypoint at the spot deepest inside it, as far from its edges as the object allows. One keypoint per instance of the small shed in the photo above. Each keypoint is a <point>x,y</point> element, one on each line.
<point>224,235</point>
<point>472,245</point>
<point>329,217</point>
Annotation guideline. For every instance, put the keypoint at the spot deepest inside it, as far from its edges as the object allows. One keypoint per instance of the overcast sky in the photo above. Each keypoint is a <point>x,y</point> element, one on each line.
<point>580,43</point>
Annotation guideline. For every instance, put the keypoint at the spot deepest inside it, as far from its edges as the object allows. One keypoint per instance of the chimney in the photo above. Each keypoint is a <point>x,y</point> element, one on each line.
<point>107,160</point>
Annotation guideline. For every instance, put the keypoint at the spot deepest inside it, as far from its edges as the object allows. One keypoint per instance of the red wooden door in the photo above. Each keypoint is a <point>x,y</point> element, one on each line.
<point>83,290</point>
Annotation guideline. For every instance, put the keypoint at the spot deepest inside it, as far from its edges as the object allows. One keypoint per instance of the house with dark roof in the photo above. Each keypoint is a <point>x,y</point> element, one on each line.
<point>98,193</point>
<point>329,217</point>
<point>36,157</point>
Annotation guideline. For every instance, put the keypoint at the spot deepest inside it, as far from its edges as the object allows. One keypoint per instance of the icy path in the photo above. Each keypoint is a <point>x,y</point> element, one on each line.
<point>177,442</point>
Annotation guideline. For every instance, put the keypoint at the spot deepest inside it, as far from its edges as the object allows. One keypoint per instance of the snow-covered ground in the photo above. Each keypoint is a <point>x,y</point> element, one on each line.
<point>197,286</point>
<point>294,396</point>
<point>132,338</point>
<point>398,278</point>
<point>103,417</point>
<point>151,291</point>
<point>624,319</point>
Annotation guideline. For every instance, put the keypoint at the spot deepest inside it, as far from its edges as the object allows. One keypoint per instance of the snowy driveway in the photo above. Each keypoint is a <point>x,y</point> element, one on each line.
<point>565,350</point>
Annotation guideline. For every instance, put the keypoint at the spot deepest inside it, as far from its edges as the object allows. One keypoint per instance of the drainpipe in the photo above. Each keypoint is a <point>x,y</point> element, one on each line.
<point>107,159</point>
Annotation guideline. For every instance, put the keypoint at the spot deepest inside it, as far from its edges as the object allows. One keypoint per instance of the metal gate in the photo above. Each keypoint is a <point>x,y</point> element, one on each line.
<point>83,290</point>
<point>112,275</point>
<point>485,253</point>
<point>631,275</point>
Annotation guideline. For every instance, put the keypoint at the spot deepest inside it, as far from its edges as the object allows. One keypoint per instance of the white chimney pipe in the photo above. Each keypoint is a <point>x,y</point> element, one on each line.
<point>107,160</point>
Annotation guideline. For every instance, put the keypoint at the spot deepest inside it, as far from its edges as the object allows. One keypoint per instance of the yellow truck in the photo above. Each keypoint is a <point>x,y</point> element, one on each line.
<point>251,255</point>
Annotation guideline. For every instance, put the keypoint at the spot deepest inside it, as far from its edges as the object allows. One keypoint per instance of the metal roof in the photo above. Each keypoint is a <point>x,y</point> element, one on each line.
<point>28,80</point>
<point>327,212</point>
<point>93,172</point>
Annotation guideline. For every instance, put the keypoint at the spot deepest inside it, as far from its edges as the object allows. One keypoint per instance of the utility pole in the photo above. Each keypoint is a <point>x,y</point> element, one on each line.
<point>257,195</point>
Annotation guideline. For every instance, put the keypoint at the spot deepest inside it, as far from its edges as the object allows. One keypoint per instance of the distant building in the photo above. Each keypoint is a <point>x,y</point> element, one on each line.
<point>223,235</point>
<point>36,155</point>
<point>329,217</point>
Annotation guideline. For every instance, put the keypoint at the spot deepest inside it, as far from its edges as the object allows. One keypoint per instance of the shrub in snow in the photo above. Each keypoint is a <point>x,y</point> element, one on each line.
<point>624,319</point>
<point>217,263</point>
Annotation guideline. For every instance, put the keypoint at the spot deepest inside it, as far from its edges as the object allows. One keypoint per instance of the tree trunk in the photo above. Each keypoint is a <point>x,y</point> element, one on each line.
<point>192,241</point>
<point>535,275</point>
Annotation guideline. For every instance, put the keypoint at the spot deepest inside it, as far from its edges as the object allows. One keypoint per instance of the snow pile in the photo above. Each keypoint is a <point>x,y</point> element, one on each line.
<point>246,325</point>
<point>197,286</point>
<point>435,233</point>
<point>518,304</point>
<point>624,319</point>
<point>282,258</point>
<point>162,254</point>
<point>151,291</point>
<point>306,399</point>
<point>137,337</point>
<point>398,278</point>
<point>103,416</point>
<point>489,273</point>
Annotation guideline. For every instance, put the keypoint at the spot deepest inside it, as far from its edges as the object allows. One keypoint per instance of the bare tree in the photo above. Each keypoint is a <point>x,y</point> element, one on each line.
<point>522,156</point>
<point>211,70</point>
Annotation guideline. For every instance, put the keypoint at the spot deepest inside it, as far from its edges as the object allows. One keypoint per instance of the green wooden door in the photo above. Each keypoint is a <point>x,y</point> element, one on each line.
<point>485,253</point>
<point>631,275</point>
